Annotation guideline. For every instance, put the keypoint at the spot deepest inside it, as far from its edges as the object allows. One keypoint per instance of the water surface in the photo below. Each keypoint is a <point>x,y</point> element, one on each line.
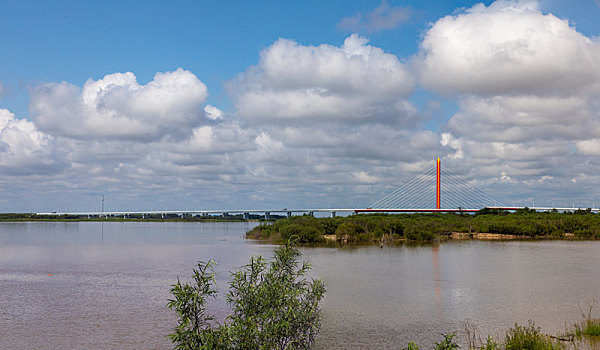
<point>105,285</point>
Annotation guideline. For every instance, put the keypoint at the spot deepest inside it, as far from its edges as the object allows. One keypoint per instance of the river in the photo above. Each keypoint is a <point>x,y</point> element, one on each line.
<point>105,285</point>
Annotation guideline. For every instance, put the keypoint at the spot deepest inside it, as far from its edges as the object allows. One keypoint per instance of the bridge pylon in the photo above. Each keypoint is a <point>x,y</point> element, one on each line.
<point>438,185</point>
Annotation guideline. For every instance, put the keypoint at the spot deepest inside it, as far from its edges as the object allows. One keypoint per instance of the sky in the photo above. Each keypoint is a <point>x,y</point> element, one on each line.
<point>190,105</point>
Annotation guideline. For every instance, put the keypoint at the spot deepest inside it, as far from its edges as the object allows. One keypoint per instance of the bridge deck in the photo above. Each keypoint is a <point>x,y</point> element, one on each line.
<point>307,211</point>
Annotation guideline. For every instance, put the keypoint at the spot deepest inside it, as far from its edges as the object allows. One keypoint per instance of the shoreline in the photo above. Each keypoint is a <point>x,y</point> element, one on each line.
<point>329,240</point>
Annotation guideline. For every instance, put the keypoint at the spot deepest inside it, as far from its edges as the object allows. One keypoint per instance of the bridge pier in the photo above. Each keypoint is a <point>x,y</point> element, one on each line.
<point>311,213</point>
<point>332,214</point>
<point>289,214</point>
<point>246,215</point>
<point>267,215</point>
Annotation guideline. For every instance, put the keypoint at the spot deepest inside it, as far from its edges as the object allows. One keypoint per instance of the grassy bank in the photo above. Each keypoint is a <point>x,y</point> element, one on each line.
<point>522,337</point>
<point>368,228</point>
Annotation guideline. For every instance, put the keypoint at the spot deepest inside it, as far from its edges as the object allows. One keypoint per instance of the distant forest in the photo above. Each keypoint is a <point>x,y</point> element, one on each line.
<point>368,228</point>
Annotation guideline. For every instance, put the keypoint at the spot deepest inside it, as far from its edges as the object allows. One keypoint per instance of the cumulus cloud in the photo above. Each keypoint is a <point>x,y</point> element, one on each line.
<point>524,141</point>
<point>383,17</point>
<point>126,139</point>
<point>589,147</point>
<point>525,118</point>
<point>527,87</point>
<point>24,150</point>
<point>354,83</point>
<point>507,47</point>
<point>118,107</point>
<point>213,112</point>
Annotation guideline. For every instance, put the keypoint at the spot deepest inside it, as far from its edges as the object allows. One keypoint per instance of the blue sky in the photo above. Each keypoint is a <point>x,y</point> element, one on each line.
<point>259,156</point>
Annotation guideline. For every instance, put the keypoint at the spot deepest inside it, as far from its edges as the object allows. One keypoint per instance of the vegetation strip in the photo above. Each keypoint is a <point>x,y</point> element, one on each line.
<point>381,228</point>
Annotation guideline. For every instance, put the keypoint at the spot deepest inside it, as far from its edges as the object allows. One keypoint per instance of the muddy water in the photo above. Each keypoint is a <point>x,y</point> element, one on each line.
<point>105,285</point>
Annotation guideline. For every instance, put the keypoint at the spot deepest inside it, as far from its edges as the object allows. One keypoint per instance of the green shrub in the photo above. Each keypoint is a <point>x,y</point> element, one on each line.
<point>416,233</point>
<point>274,306</point>
<point>309,234</point>
<point>412,346</point>
<point>490,344</point>
<point>350,230</point>
<point>528,338</point>
<point>592,328</point>
<point>447,343</point>
<point>589,327</point>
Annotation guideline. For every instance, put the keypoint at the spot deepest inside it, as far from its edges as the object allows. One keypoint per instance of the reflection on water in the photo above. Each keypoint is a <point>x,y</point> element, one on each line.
<point>94,285</point>
<point>436,277</point>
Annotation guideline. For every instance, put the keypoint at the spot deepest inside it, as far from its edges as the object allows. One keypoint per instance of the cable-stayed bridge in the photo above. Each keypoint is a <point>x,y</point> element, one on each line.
<point>439,189</point>
<point>434,190</point>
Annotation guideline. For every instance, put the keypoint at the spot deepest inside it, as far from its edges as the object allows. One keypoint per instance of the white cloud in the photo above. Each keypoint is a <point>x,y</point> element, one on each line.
<point>354,83</point>
<point>213,112</point>
<point>364,177</point>
<point>118,107</point>
<point>589,147</point>
<point>269,148</point>
<point>507,47</point>
<point>24,150</point>
<point>381,18</point>
<point>525,118</point>
<point>126,139</point>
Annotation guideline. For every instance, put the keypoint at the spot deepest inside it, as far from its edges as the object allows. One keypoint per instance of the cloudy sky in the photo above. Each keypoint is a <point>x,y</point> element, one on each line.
<point>271,104</point>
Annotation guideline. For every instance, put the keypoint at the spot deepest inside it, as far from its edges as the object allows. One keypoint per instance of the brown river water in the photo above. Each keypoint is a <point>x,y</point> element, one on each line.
<point>92,285</point>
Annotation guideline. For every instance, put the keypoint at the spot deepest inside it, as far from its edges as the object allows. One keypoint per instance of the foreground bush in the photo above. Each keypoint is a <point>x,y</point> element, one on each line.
<point>274,306</point>
<point>446,344</point>
<point>528,338</point>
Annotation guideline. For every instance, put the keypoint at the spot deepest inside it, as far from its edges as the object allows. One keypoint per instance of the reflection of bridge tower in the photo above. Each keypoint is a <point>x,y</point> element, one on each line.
<point>418,193</point>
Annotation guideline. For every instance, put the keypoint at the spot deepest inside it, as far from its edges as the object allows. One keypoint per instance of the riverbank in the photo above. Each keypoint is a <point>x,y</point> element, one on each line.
<point>583,335</point>
<point>383,228</point>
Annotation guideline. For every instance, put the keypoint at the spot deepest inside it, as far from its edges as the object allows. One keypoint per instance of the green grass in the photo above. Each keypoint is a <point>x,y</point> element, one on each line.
<point>528,338</point>
<point>589,327</point>
<point>592,328</point>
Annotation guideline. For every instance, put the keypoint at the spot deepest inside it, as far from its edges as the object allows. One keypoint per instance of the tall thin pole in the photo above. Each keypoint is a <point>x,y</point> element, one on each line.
<point>438,184</point>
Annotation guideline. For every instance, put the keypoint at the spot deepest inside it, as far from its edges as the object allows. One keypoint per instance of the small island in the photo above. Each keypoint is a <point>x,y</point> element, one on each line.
<point>383,228</point>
